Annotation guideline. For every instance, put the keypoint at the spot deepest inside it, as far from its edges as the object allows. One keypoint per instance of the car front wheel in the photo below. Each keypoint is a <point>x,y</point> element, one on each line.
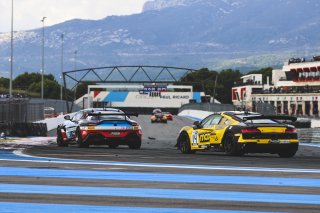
<point>60,141</point>
<point>184,144</point>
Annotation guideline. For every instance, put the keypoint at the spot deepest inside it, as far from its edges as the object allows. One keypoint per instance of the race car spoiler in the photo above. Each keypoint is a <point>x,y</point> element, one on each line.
<point>108,113</point>
<point>272,117</point>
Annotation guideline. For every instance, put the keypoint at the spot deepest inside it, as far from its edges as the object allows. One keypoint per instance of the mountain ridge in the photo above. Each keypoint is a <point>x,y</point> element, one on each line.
<point>219,34</point>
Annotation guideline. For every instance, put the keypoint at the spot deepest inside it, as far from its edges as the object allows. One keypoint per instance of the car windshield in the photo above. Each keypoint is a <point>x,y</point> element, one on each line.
<point>261,121</point>
<point>241,116</point>
<point>111,117</point>
<point>255,121</point>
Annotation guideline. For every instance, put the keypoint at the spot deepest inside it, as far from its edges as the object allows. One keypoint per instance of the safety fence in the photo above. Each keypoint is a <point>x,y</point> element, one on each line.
<point>17,117</point>
<point>23,129</point>
<point>20,110</point>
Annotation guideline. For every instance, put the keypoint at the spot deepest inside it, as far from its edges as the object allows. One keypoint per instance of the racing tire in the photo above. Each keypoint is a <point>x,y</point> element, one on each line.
<point>79,140</point>
<point>113,146</point>
<point>290,152</point>
<point>231,146</point>
<point>60,141</point>
<point>184,144</point>
<point>134,142</point>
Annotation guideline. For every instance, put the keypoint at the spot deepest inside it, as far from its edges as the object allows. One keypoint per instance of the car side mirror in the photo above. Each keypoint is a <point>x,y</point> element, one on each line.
<point>67,117</point>
<point>197,125</point>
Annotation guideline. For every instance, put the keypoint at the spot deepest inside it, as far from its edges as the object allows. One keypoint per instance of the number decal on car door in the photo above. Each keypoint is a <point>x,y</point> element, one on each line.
<point>194,138</point>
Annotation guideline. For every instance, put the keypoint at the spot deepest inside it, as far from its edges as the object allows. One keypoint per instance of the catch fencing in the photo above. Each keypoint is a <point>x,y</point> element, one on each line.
<point>17,117</point>
<point>20,110</point>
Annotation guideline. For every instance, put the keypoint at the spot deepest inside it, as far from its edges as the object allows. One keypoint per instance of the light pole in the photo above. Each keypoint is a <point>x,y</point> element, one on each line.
<point>75,59</point>
<point>11,57</point>
<point>42,69</point>
<point>61,66</point>
<point>75,73</point>
<point>214,89</point>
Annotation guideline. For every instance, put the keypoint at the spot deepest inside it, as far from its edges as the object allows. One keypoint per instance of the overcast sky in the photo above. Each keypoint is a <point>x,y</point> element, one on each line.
<point>28,13</point>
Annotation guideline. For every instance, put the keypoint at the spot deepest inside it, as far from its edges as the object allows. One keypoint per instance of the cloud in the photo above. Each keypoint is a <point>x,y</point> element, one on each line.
<point>28,13</point>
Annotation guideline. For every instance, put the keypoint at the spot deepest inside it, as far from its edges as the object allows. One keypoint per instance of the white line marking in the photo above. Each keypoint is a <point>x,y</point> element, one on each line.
<point>157,165</point>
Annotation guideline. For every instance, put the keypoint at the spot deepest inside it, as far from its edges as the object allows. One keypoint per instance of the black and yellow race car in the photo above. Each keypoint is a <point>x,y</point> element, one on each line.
<point>237,133</point>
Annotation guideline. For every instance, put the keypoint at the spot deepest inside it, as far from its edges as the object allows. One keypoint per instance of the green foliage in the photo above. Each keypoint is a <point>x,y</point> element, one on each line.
<point>204,80</point>
<point>30,83</point>
<point>266,72</point>
<point>225,83</point>
<point>4,82</point>
<point>82,89</point>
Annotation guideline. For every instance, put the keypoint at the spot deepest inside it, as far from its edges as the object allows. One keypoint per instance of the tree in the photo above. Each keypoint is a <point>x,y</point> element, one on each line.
<point>204,80</point>
<point>266,72</point>
<point>31,82</point>
<point>226,81</point>
<point>4,82</point>
<point>82,89</point>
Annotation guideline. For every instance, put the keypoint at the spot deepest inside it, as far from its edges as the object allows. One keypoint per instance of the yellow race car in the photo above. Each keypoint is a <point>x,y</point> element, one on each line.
<point>237,133</point>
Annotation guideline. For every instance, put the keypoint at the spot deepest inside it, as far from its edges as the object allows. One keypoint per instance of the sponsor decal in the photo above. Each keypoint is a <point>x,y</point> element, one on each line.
<point>91,127</point>
<point>115,133</point>
<point>143,95</point>
<point>204,137</point>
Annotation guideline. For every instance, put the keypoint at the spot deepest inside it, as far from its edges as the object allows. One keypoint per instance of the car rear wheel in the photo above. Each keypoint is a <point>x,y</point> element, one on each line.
<point>80,141</point>
<point>184,144</point>
<point>134,142</point>
<point>113,146</point>
<point>60,141</point>
<point>290,152</point>
<point>231,146</point>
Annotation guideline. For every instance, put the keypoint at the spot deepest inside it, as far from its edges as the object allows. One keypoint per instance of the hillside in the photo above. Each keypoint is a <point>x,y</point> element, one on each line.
<point>240,34</point>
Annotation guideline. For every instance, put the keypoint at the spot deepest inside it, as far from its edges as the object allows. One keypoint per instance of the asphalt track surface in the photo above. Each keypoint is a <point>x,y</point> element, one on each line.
<point>156,178</point>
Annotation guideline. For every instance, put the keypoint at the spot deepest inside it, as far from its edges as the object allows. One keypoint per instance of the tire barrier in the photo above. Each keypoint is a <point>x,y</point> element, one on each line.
<point>24,129</point>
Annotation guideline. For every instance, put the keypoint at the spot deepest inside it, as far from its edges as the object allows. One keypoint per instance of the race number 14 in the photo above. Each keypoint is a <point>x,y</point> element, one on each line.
<point>194,138</point>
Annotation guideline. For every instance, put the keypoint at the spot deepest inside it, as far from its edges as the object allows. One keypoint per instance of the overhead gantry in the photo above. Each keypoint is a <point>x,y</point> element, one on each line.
<point>120,74</point>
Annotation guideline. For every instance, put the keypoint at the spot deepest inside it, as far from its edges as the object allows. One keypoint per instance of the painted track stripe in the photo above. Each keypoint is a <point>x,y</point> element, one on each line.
<point>50,208</point>
<point>163,193</point>
<point>28,158</point>
<point>159,177</point>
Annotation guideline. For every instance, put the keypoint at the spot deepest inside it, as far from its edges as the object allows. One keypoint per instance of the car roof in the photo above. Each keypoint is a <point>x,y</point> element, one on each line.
<point>107,113</point>
<point>102,110</point>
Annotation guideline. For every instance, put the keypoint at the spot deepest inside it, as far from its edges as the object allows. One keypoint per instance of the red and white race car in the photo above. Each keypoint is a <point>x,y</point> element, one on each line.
<point>98,127</point>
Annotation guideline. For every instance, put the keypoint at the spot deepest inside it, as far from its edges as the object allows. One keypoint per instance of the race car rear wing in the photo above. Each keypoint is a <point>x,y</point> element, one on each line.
<point>272,117</point>
<point>108,113</point>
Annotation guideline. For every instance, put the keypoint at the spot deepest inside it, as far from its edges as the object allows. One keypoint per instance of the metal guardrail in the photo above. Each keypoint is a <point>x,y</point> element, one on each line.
<point>309,135</point>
